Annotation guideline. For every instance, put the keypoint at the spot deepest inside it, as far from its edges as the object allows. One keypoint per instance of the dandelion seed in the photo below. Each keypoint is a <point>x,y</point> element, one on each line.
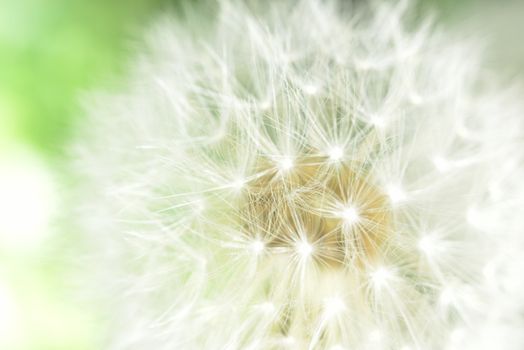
<point>350,215</point>
<point>267,308</point>
<point>429,245</point>
<point>378,122</point>
<point>336,153</point>
<point>198,205</point>
<point>257,247</point>
<point>304,249</point>
<point>447,296</point>
<point>285,164</point>
<point>441,164</point>
<point>396,194</point>
<point>337,347</point>
<point>381,277</point>
<point>288,341</point>
<point>333,306</point>
<point>311,89</point>
<point>376,336</point>
<point>238,184</point>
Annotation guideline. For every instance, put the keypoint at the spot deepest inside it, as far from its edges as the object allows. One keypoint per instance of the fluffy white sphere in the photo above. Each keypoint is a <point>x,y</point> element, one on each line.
<point>307,176</point>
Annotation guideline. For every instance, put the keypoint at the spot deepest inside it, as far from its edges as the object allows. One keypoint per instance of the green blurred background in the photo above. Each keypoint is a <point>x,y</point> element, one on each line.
<point>50,52</point>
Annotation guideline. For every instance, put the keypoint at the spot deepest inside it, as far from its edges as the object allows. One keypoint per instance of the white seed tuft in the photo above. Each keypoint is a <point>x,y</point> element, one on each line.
<point>263,184</point>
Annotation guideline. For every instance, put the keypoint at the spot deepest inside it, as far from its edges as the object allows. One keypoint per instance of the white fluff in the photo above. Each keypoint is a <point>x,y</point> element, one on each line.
<point>217,177</point>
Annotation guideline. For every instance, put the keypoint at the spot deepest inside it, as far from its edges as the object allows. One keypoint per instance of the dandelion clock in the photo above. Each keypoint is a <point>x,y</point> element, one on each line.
<point>305,175</point>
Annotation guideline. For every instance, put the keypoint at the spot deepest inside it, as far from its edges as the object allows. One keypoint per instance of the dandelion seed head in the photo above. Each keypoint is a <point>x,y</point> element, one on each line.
<point>287,162</point>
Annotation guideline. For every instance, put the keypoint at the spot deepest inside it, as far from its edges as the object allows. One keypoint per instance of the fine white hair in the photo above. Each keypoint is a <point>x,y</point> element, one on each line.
<point>304,175</point>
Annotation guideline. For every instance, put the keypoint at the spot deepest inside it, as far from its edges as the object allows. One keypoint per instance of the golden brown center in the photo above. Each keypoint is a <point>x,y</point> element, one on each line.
<point>332,208</point>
